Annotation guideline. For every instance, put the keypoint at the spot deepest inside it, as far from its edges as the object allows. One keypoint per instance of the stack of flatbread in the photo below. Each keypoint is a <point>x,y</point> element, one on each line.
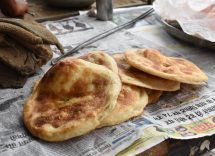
<point>78,95</point>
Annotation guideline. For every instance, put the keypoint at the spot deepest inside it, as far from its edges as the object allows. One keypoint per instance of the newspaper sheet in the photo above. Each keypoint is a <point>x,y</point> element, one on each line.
<point>188,113</point>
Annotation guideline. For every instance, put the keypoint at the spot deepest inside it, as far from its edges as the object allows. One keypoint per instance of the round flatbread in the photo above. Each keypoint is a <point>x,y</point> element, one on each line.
<point>101,58</point>
<point>130,103</point>
<point>153,62</point>
<point>153,95</point>
<point>72,98</point>
<point>133,76</point>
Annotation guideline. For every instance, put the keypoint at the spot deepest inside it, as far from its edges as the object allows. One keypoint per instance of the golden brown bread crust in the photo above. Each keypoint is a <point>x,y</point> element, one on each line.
<point>70,100</point>
<point>101,58</point>
<point>153,62</point>
<point>130,103</point>
<point>153,95</point>
<point>130,75</point>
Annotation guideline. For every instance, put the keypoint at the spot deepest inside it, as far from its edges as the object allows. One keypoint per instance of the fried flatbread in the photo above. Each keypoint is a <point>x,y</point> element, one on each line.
<point>153,95</point>
<point>72,98</point>
<point>130,75</point>
<point>153,62</point>
<point>101,58</point>
<point>130,103</point>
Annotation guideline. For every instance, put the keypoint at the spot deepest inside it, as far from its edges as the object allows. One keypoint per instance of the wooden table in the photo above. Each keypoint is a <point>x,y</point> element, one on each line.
<point>41,11</point>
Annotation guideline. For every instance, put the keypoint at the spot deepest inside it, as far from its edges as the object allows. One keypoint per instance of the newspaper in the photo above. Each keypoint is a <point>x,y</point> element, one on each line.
<point>184,114</point>
<point>196,17</point>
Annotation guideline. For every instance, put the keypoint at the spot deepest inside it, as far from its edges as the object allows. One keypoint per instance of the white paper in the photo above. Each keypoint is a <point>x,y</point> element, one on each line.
<point>196,17</point>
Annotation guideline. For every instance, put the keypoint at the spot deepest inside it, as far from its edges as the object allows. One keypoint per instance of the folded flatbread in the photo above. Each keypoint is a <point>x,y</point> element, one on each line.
<point>130,75</point>
<point>153,62</point>
<point>72,99</point>
<point>130,103</point>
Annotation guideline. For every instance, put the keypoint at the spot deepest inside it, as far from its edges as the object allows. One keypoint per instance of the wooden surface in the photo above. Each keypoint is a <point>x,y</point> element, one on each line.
<point>42,11</point>
<point>161,148</point>
<point>190,147</point>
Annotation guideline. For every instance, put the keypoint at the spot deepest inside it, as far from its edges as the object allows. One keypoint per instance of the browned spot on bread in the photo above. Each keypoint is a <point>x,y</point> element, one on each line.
<point>126,97</point>
<point>59,116</point>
